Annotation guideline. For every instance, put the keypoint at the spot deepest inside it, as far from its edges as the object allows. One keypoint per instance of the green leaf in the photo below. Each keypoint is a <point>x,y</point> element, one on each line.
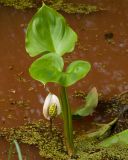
<point>120,138</point>
<point>49,32</point>
<point>10,152</point>
<point>18,150</point>
<point>48,68</point>
<point>91,104</point>
<point>103,131</point>
<point>74,72</point>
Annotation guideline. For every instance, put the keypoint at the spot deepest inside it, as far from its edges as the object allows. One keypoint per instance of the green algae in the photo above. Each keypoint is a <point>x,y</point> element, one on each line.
<point>56,4</point>
<point>19,4</point>
<point>51,144</point>
<point>90,150</point>
<point>74,8</point>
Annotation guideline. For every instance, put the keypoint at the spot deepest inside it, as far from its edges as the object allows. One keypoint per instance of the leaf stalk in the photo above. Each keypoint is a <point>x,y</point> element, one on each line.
<point>67,118</point>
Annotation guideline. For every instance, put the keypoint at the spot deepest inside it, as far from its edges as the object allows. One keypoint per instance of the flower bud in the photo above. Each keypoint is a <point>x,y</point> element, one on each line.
<point>51,106</point>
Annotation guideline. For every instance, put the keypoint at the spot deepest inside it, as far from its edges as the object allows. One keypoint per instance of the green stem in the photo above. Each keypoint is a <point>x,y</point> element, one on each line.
<point>67,117</point>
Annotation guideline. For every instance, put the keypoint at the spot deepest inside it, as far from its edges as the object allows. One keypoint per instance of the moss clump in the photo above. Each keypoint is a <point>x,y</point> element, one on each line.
<point>74,8</point>
<point>19,4</point>
<point>90,150</point>
<point>51,144</point>
<point>56,4</point>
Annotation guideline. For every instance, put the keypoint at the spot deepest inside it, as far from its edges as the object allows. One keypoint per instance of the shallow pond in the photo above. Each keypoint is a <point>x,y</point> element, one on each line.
<point>102,41</point>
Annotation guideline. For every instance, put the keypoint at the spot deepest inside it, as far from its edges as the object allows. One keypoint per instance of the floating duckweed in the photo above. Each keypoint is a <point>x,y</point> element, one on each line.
<point>56,4</point>
<point>89,150</point>
<point>51,145</point>
<point>19,4</point>
<point>74,8</point>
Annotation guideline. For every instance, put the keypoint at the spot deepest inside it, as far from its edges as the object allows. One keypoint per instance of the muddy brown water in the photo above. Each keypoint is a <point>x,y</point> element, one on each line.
<point>103,41</point>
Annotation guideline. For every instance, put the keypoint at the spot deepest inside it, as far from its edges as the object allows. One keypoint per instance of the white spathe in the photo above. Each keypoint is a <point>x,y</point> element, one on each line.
<point>50,100</point>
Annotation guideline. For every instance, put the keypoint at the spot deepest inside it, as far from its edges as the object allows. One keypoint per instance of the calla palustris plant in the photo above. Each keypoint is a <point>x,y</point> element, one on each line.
<point>49,36</point>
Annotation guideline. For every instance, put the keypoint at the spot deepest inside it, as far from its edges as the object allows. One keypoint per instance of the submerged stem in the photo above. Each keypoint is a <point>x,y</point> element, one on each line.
<point>67,118</point>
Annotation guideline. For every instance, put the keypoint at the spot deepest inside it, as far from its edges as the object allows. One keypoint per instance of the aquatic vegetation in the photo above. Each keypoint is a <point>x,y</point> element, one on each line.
<point>56,4</point>
<point>88,144</point>
<point>120,138</point>
<point>96,153</point>
<point>90,105</point>
<point>18,4</point>
<point>72,7</point>
<point>49,35</point>
<point>103,131</point>
<point>52,145</point>
<point>17,149</point>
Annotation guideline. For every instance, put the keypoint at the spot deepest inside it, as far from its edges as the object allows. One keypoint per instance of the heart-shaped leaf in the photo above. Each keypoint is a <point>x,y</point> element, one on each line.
<point>48,68</point>
<point>91,103</point>
<point>49,32</point>
<point>74,72</point>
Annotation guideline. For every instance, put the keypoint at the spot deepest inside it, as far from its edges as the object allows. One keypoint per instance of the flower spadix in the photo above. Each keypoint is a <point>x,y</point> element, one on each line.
<point>51,106</point>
